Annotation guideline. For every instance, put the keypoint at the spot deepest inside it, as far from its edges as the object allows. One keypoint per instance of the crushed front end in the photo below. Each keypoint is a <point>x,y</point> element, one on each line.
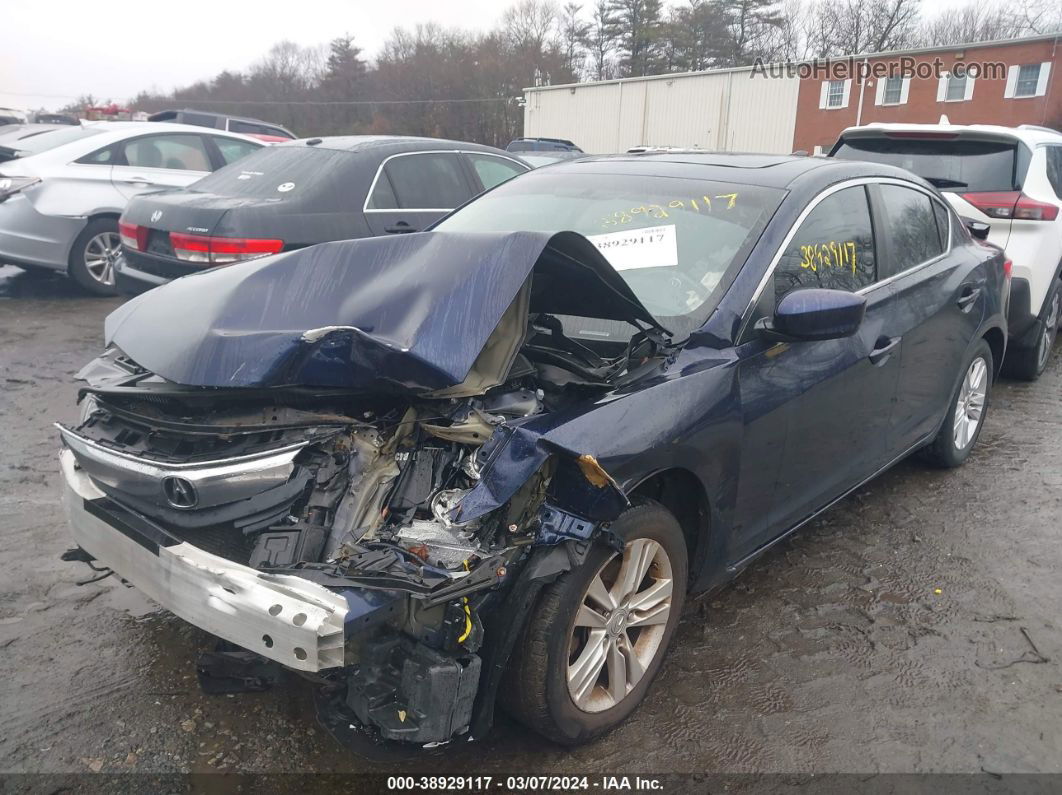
<point>374,510</point>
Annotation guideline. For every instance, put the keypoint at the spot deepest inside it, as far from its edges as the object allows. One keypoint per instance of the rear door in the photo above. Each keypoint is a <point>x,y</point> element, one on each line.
<point>412,190</point>
<point>942,300</point>
<point>154,162</point>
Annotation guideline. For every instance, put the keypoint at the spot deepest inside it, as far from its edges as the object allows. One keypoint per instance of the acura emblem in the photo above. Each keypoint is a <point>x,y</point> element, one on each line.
<point>180,493</point>
<point>156,216</point>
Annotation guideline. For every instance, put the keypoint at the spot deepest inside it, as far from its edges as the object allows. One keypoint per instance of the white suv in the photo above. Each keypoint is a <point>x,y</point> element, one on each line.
<point>1007,177</point>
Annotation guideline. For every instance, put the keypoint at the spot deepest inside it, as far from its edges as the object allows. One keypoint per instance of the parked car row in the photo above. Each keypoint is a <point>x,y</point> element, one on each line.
<point>301,193</point>
<point>62,192</point>
<point>488,462</point>
<point>64,189</point>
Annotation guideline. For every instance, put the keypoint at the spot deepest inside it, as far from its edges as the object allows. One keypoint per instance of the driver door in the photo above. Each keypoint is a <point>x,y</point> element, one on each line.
<point>830,401</point>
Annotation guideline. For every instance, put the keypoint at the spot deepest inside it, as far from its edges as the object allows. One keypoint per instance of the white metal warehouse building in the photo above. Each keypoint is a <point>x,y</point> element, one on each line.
<point>722,110</point>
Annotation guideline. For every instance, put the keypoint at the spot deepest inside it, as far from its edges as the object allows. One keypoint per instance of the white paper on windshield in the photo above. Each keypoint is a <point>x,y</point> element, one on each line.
<point>652,247</point>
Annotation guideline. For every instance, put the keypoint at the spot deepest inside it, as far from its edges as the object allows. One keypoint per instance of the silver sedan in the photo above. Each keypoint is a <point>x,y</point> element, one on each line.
<point>62,192</point>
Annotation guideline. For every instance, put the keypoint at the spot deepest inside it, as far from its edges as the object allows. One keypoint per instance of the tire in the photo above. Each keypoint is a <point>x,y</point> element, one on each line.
<point>945,451</point>
<point>536,689</point>
<point>93,256</point>
<point>1028,364</point>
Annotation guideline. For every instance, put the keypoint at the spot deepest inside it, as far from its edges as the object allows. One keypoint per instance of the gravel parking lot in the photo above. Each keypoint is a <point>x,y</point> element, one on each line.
<point>913,628</point>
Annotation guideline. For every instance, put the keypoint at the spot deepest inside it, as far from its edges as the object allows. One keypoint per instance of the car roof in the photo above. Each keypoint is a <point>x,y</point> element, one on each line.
<point>391,144</point>
<point>1028,133</point>
<point>110,132</point>
<point>217,115</point>
<point>16,132</point>
<point>765,170</point>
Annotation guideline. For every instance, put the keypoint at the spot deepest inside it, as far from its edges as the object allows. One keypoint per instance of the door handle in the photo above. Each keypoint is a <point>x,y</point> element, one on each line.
<point>883,349</point>
<point>968,296</point>
<point>136,181</point>
<point>399,228</point>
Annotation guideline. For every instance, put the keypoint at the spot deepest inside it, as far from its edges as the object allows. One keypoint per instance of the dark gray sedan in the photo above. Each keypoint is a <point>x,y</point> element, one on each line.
<point>289,196</point>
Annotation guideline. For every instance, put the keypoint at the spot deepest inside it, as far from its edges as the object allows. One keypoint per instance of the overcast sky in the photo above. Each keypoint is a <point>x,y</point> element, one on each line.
<point>52,51</point>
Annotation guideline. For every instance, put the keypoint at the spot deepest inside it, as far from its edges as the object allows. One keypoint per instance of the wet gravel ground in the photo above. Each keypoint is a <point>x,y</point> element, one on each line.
<point>914,628</point>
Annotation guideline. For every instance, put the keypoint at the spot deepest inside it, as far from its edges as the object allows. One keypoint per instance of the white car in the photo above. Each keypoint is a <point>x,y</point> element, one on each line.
<point>62,192</point>
<point>1007,177</point>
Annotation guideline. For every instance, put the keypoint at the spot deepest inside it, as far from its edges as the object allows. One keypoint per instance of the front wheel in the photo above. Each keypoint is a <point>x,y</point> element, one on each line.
<point>94,256</point>
<point>599,633</point>
<point>966,415</point>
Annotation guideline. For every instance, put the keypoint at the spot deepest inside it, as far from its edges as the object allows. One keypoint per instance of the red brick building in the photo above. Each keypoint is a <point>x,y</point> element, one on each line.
<point>1009,83</point>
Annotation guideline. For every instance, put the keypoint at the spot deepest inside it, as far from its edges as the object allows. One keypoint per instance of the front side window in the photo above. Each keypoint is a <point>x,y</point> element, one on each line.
<point>911,226</point>
<point>428,181</point>
<point>676,242</point>
<point>178,152</point>
<point>832,249</point>
<point>956,90</point>
<point>893,91</point>
<point>493,170</point>
<point>1028,80</point>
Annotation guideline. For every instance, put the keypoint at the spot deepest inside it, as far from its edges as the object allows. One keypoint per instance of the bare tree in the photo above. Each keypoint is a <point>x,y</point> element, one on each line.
<point>573,30</point>
<point>847,27</point>
<point>600,41</point>
<point>749,25</point>
<point>982,20</point>
<point>529,24</point>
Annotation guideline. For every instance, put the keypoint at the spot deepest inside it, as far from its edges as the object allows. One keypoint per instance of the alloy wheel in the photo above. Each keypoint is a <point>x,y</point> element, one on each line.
<point>971,403</point>
<point>1047,339</point>
<point>620,625</point>
<point>102,253</point>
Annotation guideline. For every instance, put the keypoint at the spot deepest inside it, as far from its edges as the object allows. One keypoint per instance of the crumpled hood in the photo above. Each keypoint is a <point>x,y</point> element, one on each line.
<point>410,312</point>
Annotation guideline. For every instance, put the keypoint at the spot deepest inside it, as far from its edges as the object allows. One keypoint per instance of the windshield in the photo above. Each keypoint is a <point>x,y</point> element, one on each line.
<point>275,173</point>
<point>947,164</point>
<point>676,242</point>
<point>62,135</point>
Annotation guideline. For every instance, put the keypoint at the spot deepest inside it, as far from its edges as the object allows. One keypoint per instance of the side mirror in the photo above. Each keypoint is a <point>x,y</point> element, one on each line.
<point>978,229</point>
<point>815,314</point>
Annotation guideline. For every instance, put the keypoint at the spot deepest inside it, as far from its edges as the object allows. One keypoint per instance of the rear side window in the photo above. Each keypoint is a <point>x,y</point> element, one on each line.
<point>833,248</point>
<point>911,227</point>
<point>178,152</point>
<point>198,119</point>
<point>948,164</point>
<point>250,128</point>
<point>428,181</point>
<point>284,173</point>
<point>232,149</point>
<point>102,157</point>
<point>1054,169</point>
<point>493,170</point>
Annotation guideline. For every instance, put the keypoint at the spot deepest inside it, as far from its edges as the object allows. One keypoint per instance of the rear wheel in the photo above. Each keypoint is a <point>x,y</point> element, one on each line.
<point>94,256</point>
<point>1028,364</point>
<point>969,405</point>
<point>599,633</point>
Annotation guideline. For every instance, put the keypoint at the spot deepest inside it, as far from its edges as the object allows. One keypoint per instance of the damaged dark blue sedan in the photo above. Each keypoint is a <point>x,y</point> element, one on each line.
<point>489,461</point>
